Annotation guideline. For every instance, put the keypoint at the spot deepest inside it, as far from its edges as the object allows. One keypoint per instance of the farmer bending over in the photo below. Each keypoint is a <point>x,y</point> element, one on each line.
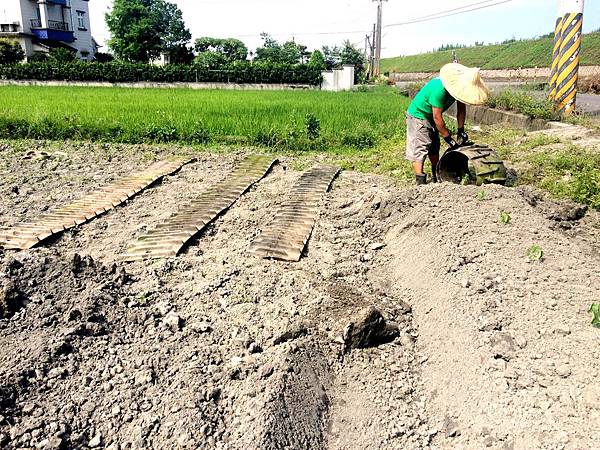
<point>424,121</point>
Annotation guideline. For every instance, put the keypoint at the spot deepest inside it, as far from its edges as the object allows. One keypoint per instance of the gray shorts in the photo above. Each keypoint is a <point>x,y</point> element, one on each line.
<point>422,139</point>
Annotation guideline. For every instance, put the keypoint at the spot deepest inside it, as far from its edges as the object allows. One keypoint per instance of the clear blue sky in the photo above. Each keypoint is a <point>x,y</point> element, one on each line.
<point>303,20</point>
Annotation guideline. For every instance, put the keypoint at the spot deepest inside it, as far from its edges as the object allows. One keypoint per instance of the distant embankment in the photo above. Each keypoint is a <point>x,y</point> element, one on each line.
<point>513,55</point>
<point>537,74</point>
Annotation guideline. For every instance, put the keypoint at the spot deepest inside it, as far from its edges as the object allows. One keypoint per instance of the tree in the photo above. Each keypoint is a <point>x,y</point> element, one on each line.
<point>62,55</point>
<point>142,30</point>
<point>230,49</point>
<point>332,57</point>
<point>10,52</point>
<point>351,56</point>
<point>317,60</point>
<point>176,36</point>
<point>272,51</point>
<point>347,55</point>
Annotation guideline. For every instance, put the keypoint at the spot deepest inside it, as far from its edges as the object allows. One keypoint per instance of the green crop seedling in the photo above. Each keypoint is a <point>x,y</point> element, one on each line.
<point>535,253</point>
<point>480,195</point>
<point>505,218</point>
<point>595,310</point>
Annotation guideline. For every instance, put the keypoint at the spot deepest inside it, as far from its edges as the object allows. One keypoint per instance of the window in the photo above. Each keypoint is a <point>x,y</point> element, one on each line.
<point>81,20</point>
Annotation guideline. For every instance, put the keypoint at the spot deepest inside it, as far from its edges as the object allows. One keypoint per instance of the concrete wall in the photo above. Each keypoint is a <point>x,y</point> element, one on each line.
<point>338,79</point>
<point>226,86</point>
<point>482,115</point>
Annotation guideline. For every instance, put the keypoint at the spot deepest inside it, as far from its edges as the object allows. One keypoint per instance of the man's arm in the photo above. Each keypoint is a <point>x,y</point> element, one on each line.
<point>442,128</point>
<point>439,122</point>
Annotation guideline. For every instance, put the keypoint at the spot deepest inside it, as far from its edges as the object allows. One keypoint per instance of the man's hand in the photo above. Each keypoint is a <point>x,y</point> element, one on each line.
<point>462,138</point>
<point>451,142</point>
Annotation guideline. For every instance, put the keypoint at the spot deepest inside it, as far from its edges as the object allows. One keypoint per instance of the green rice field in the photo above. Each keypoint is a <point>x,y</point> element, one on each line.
<point>295,120</point>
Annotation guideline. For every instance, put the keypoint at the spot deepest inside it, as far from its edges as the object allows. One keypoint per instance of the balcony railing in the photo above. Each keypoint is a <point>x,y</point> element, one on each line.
<point>52,25</point>
<point>10,27</point>
<point>55,2</point>
<point>56,25</point>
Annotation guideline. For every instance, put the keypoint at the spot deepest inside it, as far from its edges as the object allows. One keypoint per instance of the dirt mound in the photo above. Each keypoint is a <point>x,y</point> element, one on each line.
<point>504,339</point>
<point>218,349</point>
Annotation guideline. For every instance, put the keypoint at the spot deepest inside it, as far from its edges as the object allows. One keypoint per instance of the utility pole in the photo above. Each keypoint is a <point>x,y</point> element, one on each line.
<point>378,32</point>
<point>567,53</point>
<point>372,55</point>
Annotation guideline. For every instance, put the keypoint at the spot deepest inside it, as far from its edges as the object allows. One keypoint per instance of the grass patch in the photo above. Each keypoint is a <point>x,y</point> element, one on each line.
<point>287,120</point>
<point>564,170</point>
<point>512,55</point>
<point>524,103</point>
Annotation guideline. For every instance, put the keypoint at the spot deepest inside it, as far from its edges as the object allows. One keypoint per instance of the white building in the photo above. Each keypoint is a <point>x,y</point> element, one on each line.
<point>40,25</point>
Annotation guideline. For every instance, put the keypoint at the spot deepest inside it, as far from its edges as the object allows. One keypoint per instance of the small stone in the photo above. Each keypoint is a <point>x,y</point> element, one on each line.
<point>366,257</point>
<point>144,377</point>
<point>54,443</point>
<point>236,361</point>
<point>465,283</point>
<point>173,321</point>
<point>454,432</point>
<point>563,330</point>
<point>28,408</point>
<point>266,371</point>
<point>162,308</point>
<point>201,327</point>
<point>254,348</point>
<point>563,370</point>
<point>116,410</point>
<point>96,441</point>
<point>520,341</point>
<point>377,246</point>
<point>57,372</point>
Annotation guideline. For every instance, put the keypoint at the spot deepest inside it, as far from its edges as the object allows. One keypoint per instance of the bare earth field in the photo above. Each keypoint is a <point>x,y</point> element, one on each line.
<point>217,349</point>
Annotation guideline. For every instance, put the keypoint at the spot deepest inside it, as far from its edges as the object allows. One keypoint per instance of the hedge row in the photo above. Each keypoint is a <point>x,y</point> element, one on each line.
<point>119,72</point>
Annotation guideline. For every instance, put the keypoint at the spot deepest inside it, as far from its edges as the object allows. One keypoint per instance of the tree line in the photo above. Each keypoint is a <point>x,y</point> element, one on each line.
<point>143,31</point>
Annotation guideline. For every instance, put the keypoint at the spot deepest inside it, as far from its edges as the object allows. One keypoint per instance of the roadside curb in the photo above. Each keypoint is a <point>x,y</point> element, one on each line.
<point>482,115</point>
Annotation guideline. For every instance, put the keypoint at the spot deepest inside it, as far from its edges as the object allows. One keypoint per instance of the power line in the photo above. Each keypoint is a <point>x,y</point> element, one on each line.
<point>440,16</point>
<point>455,9</point>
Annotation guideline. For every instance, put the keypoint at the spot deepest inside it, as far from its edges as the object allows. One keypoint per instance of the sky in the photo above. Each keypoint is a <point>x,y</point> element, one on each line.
<point>329,22</point>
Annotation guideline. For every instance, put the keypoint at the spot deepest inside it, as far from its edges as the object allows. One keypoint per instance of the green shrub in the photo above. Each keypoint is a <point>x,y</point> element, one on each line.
<point>115,72</point>
<point>10,52</point>
<point>313,126</point>
<point>267,138</point>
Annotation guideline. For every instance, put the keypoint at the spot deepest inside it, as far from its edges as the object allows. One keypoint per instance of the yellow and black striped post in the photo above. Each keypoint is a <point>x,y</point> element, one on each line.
<point>556,52</point>
<point>568,60</point>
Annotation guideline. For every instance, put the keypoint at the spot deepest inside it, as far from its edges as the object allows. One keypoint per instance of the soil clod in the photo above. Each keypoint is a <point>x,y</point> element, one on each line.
<point>369,329</point>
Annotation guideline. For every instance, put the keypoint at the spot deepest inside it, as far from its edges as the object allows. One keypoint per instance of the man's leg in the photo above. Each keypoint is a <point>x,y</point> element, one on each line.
<point>434,155</point>
<point>417,143</point>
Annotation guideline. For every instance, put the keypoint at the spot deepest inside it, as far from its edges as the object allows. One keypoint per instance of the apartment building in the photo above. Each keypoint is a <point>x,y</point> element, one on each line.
<point>40,25</point>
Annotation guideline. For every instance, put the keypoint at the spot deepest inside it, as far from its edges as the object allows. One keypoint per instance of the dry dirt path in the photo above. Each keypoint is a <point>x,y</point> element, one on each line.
<point>219,349</point>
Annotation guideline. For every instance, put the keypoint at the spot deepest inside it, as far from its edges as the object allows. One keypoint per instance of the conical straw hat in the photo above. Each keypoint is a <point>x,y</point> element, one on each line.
<point>464,84</point>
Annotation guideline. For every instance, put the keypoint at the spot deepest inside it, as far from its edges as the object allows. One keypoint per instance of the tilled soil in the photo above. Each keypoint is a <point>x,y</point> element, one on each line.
<point>219,349</point>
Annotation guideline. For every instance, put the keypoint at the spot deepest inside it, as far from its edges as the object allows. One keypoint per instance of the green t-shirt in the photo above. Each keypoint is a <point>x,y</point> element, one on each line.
<point>433,94</point>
